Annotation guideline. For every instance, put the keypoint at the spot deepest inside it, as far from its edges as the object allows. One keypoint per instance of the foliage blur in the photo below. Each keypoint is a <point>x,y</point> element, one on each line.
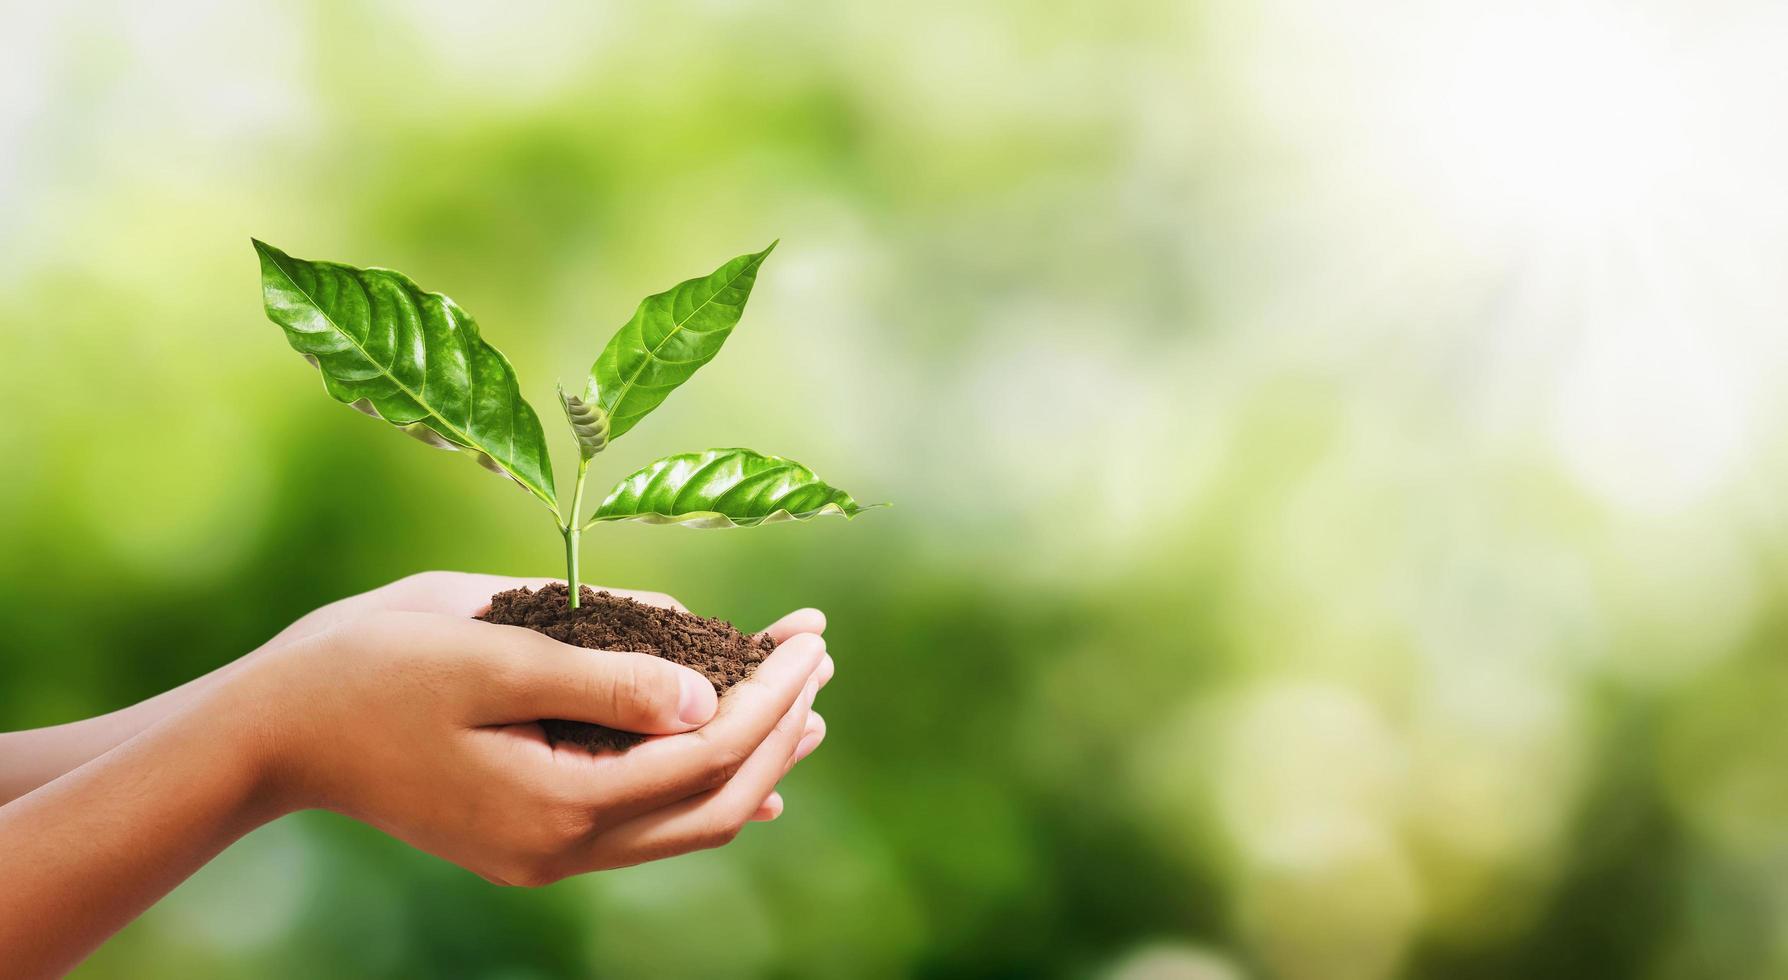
<point>1338,456</point>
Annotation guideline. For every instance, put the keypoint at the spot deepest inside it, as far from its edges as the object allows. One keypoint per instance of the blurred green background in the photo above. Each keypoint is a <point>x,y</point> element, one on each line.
<point>1338,455</point>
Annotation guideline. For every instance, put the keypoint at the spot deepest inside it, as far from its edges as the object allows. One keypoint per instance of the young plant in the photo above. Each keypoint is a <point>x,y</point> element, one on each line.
<point>415,359</point>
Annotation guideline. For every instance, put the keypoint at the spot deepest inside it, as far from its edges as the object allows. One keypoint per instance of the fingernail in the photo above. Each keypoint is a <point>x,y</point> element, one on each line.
<point>808,744</point>
<point>698,700</point>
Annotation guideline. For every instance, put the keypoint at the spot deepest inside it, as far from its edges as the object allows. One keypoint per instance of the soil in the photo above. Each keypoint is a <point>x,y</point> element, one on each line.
<point>711,647</point>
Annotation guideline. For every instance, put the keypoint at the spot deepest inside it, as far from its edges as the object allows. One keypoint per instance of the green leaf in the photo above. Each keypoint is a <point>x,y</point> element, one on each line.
<point>410,357</point>
<point>671,335</point>
<point>723,488</point>
<point>589,424</point>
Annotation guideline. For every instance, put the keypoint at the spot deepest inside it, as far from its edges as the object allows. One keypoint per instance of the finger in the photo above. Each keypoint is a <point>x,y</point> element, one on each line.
<point>447,593</point>
<point>826,669</point>
<point>713,818</point>
<point>812,737</point>
<point>469,594</point>
<point>666,770</point>
<point>799,621</point>
<point>535,676</point>
<point>463,594</point>
<point>771,809</point>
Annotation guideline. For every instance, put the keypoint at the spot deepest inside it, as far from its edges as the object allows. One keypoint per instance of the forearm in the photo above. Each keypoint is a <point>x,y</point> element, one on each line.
<point>88,852</point>
<point>32,758</point>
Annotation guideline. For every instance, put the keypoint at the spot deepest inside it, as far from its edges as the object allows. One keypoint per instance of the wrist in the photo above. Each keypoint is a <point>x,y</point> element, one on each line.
<point>240,714</point>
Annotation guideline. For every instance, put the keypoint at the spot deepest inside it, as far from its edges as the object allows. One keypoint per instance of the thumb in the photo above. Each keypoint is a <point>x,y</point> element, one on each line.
<point>634,692</point>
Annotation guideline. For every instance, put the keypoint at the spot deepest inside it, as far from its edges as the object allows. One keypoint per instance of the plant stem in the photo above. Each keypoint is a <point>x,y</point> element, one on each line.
<point>571,584</point>
<point>572,532</point>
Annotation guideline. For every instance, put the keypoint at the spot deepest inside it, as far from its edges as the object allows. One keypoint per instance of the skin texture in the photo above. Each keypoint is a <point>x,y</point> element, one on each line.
<point>394,708</point>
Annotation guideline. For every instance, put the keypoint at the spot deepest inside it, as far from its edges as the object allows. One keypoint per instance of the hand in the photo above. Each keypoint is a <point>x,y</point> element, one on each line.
<point>422,723</point>
<point>396,708</point>
<point>467,594</point>
<point>31,759</point>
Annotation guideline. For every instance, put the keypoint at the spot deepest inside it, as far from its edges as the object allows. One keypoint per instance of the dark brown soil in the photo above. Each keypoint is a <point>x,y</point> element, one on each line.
<point>711,647</point>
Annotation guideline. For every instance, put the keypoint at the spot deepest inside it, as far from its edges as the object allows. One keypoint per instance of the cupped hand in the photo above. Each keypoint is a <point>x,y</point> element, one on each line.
<point>468,594</point>
<point>397,709</point>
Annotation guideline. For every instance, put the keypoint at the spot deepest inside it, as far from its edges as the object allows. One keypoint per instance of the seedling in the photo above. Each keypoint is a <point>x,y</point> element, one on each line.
<point>416,360</point>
